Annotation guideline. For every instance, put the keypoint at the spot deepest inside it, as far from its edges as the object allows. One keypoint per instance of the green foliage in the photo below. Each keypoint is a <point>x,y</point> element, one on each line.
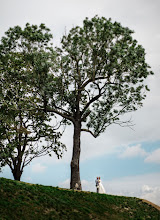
<point>100,71</point>
<point>25,59</point>
<point>27,201</point>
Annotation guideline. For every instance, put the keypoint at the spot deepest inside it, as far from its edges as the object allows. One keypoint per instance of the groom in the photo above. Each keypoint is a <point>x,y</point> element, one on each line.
<point>97,183</point>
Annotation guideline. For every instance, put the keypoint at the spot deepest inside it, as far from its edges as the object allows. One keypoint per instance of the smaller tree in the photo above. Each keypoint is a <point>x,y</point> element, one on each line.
<point>25,130</point>
<point>25,136</point>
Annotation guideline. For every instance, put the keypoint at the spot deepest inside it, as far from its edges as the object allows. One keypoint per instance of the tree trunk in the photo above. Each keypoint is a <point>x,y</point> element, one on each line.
<point>75,172</point>
<point>17,174</point>
<point>16,171</point>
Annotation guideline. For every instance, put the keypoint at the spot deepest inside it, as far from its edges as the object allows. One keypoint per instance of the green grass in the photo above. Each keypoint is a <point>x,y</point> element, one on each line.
<point>20,201</point>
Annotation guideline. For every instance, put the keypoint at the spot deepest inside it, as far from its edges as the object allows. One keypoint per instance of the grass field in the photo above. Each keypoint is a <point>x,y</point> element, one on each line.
<point>19,200</point>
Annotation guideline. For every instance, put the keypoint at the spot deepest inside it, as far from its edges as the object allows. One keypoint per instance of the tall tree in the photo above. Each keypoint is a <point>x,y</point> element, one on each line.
<point>99,76</point>
<point>25,128</point>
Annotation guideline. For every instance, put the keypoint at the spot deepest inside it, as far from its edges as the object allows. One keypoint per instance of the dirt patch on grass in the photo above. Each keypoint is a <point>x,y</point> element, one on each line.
<point>49,210</point>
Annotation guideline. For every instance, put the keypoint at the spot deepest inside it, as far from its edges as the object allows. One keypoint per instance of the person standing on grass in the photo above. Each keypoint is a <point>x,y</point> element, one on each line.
<point>99,186</point>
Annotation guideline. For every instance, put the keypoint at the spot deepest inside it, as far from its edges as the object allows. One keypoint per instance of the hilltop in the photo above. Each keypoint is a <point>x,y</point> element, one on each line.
<point>23,201</point>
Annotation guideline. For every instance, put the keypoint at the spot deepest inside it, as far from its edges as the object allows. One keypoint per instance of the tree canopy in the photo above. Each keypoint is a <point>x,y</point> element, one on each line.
<point>101,70</point>
<point>25,130</point>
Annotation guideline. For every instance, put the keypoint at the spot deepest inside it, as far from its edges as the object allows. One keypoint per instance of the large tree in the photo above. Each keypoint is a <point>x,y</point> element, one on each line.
<point>99,75</point>
<point>25,128</point>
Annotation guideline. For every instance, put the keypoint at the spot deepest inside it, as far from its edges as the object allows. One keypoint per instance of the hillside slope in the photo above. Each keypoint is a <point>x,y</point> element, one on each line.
<point>20,201</point>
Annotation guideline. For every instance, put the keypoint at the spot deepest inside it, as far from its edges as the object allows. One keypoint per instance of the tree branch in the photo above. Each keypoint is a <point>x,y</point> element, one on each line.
<point>70,118</point>
<point>89,131</point>
<point>93,99</point>
<point>89,103</point>
<point>91,80</point>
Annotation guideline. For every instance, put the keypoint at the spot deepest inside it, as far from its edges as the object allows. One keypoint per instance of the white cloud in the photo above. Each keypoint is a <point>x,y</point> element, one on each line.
<point>38,168</point>
<point>147,189</point>
<point>65,184</point>
<point>151,193</point>
<point>133,151</point>
<point>145,186</point>
<point>154,157</point>
<point>27,179</point>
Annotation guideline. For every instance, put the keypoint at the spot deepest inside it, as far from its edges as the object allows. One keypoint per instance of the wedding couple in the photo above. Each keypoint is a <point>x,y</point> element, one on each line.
<point>99,186</point>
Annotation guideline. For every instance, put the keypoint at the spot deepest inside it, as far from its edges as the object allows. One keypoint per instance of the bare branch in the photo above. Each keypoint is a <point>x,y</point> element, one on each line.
<point>127,123</point>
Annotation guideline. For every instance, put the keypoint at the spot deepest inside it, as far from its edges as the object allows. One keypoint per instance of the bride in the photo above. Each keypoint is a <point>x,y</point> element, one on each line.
<point>100,188</point>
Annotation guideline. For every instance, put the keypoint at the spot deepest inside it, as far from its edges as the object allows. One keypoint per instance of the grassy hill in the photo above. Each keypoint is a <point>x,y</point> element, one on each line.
<point>20,201</point>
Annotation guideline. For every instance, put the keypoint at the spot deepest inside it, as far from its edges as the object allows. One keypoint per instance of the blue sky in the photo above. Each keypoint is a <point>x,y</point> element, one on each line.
<point>114,166</point>
<point>128,161</point>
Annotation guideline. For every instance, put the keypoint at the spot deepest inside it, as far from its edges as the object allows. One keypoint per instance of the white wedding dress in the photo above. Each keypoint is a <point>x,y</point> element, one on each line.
<point>101,188</point>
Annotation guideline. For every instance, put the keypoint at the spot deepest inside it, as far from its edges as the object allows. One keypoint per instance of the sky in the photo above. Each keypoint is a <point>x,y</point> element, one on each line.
<point>128,161</point>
